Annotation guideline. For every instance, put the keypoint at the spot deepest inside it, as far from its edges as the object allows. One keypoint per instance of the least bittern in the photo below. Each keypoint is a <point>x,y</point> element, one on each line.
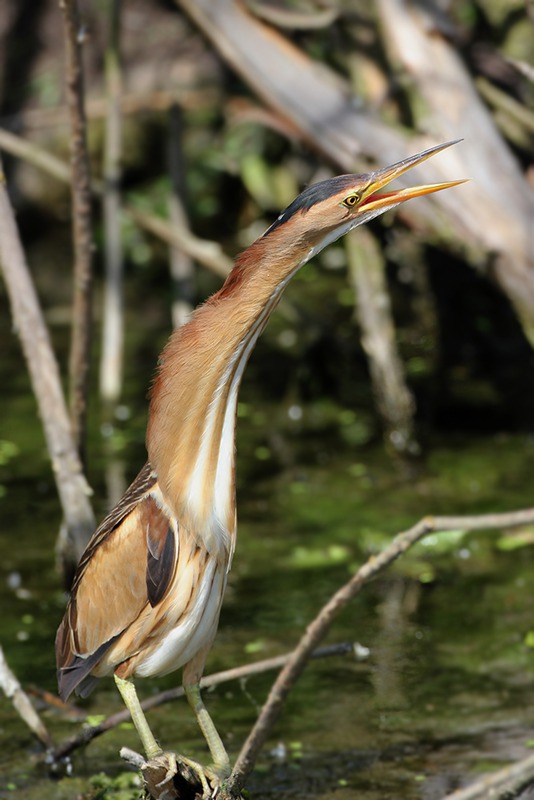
<point>148,590</point>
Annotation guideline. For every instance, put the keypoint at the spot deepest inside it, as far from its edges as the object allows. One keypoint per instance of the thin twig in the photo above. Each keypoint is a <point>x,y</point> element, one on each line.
<point>207,253</point>
<point>31,328</point>
<point>21,702</point>
<point>319,627</point>
<point>502,784</point>
<point>132,103</point>
<point>82,230</point>
<point>523,67</point>
<point>182,265</point>
<point>237,673</point>
<point>506,103</point>
<point>37,156</point>
<point>111,358</point>
<point>204,251</point>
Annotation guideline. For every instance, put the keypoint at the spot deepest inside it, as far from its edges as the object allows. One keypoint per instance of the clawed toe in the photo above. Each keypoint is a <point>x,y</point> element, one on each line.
<point>168,762</point>
<point>159,773</point>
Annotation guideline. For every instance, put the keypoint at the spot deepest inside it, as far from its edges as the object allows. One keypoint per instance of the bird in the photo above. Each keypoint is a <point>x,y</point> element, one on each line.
<point>147,593</point>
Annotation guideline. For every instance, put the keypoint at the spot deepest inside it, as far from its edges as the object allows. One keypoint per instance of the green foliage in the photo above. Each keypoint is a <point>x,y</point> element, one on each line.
<point>125,786</point>
<point>8,451</point>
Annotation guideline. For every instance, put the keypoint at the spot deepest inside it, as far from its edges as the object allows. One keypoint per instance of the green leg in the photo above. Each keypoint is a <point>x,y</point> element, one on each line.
<point>131,701</point>
<point>221,762</point>
<point>151,747</point>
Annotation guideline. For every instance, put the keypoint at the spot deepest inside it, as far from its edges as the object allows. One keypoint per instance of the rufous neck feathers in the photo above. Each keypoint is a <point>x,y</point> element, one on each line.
<point>191,427</point>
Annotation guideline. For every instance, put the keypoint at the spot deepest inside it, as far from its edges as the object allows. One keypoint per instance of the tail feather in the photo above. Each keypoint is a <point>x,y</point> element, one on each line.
<point>74,671</point>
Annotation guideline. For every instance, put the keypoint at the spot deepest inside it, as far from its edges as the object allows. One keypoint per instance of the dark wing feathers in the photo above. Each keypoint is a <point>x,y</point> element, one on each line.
<point>160,566</point>
<point>137,528</point>
<point>76,675</point>
<point>161,551</point>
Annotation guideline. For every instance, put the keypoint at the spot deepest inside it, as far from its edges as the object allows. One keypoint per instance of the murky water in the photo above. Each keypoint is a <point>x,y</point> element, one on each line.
<point>446,690</point>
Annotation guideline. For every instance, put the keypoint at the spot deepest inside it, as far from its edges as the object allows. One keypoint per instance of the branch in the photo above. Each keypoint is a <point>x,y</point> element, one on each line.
<point>294,663</point>
<point>82,230</point>
<point>131,103</point>
<point>328,115</point>
<point>46,384</point>
<point>111,357</point>
<point>207,253</point>
<point>21,702</point>
<point>394,400</point>
<point>318,629</point>
<point>89,733</point>
<point>181,264</point>
<point>502,784</point>
<point>202,250</point>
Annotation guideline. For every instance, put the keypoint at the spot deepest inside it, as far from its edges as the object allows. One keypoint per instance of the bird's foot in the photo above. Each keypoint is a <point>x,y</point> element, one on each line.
<point>164,773</point>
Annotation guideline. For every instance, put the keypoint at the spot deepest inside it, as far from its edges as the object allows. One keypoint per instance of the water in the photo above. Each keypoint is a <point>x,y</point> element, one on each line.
<point>446,691</point>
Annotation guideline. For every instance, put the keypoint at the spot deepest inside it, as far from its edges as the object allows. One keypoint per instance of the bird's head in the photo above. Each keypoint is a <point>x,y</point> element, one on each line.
<point>327,210</point>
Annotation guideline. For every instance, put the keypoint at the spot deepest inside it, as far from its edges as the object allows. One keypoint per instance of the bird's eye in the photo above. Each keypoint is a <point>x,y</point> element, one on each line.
<point>351,201</point>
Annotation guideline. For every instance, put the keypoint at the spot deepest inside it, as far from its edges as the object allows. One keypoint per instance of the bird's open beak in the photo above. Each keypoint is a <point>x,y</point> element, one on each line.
<point>373,199</point>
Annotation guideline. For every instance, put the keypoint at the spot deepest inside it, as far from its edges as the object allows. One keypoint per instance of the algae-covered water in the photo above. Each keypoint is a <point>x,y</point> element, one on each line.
<point>439,688</point>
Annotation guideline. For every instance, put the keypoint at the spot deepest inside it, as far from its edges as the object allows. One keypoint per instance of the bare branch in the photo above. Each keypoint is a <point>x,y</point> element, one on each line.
<point>131,103</point>
<point>82,230</point>
<point>502,784</point>
<point>44,374</point>
<point>207,253</point>
<point>89,733</point>
<point>21,702</point>
<point>111,359</point>
<point>295,663</point>
<point>322,107</point>
<point>182,265</point>
<point>394,400</point>
<point>319,627</point>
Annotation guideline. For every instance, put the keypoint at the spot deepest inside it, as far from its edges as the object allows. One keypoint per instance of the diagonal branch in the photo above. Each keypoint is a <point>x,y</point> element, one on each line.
<point>319,627</point>
<point>90,732</point>
<point>12,689</point>
<point>207,253</point>
<point>31,328</point>
<point>504,784</point>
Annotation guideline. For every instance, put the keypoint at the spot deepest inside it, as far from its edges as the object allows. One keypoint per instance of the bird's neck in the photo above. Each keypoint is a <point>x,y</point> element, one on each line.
<point>191,428</point>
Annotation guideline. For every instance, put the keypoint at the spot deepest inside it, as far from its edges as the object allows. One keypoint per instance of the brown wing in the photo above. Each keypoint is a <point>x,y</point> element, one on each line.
<point>128,563</point>
<point>138,489</point>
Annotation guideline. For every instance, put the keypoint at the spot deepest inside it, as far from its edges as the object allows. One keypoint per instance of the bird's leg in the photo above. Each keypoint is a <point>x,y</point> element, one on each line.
<point>153,751</point>
<point>131,701</point>
<point>221,762</point>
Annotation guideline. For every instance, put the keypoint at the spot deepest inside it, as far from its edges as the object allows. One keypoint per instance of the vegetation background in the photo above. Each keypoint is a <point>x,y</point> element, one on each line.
<point>396,379</point>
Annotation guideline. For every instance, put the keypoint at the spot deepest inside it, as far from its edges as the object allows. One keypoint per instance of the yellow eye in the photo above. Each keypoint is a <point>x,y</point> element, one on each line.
<point>351,201</point>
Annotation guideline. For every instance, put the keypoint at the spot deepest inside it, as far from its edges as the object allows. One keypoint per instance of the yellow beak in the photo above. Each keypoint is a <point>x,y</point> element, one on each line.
<point>373,200</point>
